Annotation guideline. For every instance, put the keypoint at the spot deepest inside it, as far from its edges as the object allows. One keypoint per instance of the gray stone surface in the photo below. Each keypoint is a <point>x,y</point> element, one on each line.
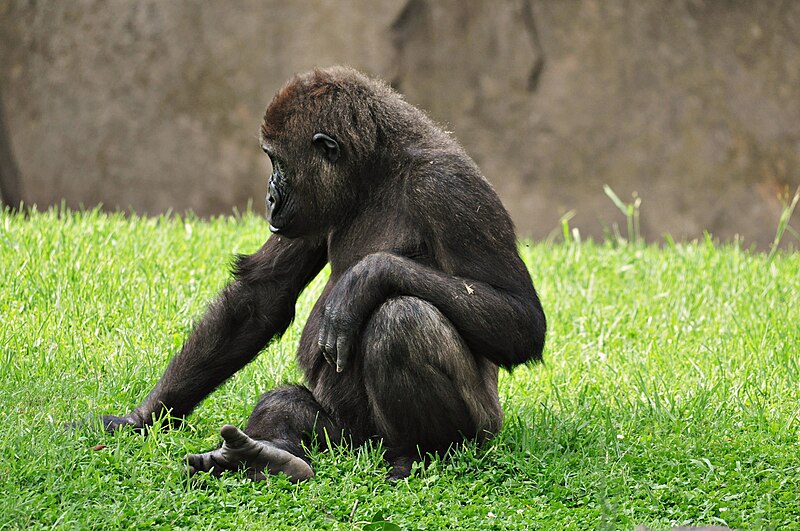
<point>155,106</point>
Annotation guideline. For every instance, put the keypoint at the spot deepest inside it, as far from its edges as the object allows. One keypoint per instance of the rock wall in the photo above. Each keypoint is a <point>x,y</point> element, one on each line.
<point>155,106</point>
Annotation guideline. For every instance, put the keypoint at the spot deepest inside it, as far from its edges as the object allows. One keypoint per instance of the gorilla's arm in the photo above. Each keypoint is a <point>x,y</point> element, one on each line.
<point>505,325</point>
<point>256,306</point>
<point>478,280</point>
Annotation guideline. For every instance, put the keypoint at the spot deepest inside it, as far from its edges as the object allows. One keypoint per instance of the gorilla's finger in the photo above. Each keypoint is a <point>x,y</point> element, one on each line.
<point>112,422</point>
<point>343,346</point>
<point>328,358</point>
<point>329,344</point>
<point>323,332</point>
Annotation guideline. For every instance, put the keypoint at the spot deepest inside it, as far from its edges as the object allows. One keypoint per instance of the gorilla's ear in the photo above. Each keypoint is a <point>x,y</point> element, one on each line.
<point>329,146</point>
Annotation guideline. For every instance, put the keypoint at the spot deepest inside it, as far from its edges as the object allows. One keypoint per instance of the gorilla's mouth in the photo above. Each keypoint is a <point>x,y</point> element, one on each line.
<point>274,203</point>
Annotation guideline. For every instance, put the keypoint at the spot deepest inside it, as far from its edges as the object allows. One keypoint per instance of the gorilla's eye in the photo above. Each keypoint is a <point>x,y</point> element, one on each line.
<point>329,146</point>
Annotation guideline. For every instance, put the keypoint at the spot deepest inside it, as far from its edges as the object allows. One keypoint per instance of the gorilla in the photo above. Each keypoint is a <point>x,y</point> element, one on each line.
<point>427,296</point>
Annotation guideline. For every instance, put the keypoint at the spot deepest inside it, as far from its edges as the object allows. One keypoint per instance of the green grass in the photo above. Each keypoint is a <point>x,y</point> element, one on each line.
<point>670,392</point>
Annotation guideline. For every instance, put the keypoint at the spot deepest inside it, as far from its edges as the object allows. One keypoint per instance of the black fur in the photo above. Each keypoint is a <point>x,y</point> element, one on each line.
<point>427,295</point>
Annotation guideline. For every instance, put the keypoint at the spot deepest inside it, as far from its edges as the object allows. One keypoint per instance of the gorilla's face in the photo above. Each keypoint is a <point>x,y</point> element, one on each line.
<point>302,183</point>
<point>280,208</point>
<point>320,140</point>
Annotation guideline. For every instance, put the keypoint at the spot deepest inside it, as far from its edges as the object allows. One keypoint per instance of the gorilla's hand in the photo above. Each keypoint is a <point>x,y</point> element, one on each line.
<point>356,295</point>
<point>112,422</point>
<point>109,423</point>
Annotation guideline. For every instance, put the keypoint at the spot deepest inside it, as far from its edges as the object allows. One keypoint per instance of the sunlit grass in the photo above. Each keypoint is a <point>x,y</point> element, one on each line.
<point>670,392</point>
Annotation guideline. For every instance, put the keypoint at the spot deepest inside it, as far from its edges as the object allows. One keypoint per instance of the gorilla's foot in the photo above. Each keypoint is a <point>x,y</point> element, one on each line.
<point>400,467</point>
<point>239,451</point>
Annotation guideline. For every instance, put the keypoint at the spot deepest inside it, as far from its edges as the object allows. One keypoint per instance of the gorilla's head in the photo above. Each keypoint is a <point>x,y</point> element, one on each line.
<point>320,135</point>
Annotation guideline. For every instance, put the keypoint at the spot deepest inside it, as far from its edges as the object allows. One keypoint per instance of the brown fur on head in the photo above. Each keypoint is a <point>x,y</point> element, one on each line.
<point>337,100</point>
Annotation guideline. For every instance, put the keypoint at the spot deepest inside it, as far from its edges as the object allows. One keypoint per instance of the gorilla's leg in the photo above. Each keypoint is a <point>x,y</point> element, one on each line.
<point>426,389</point>
<point>272,442</point>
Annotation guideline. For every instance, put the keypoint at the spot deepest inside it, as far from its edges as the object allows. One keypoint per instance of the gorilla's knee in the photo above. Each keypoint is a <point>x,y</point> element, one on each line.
<point>408,329</point>
<point>425,386</point>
